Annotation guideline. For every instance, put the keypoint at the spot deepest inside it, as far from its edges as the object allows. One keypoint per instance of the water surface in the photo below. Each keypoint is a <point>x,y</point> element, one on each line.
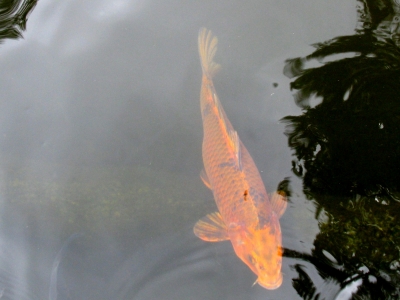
<point>100,134</point>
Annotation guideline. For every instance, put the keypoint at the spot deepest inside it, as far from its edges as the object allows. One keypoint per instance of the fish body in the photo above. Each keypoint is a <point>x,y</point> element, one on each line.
<point>246,216</point>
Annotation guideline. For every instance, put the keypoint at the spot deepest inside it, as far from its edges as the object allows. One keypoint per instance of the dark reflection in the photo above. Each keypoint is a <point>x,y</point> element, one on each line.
<point>349,142</point>
<point>348,155</point>
<point>13,17</point>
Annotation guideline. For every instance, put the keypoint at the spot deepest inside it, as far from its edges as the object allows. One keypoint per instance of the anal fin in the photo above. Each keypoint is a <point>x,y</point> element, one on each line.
<point>211,228</point>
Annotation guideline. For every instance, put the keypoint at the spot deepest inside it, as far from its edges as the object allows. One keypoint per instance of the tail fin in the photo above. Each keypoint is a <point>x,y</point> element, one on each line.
<point>207,49</point>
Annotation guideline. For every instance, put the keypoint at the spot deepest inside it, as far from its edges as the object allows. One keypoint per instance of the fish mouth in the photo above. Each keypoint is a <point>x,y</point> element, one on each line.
<point>270,285</point>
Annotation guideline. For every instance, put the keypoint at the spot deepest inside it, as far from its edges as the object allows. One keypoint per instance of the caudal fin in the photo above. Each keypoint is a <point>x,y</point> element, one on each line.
<point>207,49</point>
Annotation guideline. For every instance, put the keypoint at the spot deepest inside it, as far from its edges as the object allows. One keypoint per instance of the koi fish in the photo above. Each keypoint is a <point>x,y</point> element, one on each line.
<point>246,216</point>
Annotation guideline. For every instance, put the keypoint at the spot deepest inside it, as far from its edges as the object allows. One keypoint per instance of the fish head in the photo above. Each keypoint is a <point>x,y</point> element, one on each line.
<point>260,248</point>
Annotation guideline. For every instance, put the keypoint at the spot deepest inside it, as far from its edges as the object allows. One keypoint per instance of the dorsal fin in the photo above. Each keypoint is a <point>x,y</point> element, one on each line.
<point>235,142</point>
<point>207,49</point>
<point>204,177</point>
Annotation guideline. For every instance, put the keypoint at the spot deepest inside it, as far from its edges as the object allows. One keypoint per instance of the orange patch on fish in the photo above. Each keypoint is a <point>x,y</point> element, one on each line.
<point>246,216</point>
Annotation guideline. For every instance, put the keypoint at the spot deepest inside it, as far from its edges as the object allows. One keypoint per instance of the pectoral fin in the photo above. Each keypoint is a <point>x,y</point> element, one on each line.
<point>211,228</point>
<point>279,202</point>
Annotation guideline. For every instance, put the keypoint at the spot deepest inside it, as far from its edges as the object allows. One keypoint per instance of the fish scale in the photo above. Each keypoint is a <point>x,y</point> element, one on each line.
<point>218,151</point>
<point>245,215</point>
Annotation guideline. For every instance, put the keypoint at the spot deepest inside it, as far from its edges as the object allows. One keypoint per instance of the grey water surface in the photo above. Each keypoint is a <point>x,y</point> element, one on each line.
<point>100,136</point>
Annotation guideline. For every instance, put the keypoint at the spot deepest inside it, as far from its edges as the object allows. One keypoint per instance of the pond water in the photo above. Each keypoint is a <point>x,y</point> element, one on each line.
<point>101,147</point>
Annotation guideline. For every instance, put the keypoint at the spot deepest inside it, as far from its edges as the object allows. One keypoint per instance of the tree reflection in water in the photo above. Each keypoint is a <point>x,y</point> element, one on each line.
<point>13,17</point>
<point>348,156</point>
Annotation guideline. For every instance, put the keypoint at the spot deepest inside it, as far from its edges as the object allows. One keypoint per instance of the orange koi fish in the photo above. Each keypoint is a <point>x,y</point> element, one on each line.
<point>246,217</point>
